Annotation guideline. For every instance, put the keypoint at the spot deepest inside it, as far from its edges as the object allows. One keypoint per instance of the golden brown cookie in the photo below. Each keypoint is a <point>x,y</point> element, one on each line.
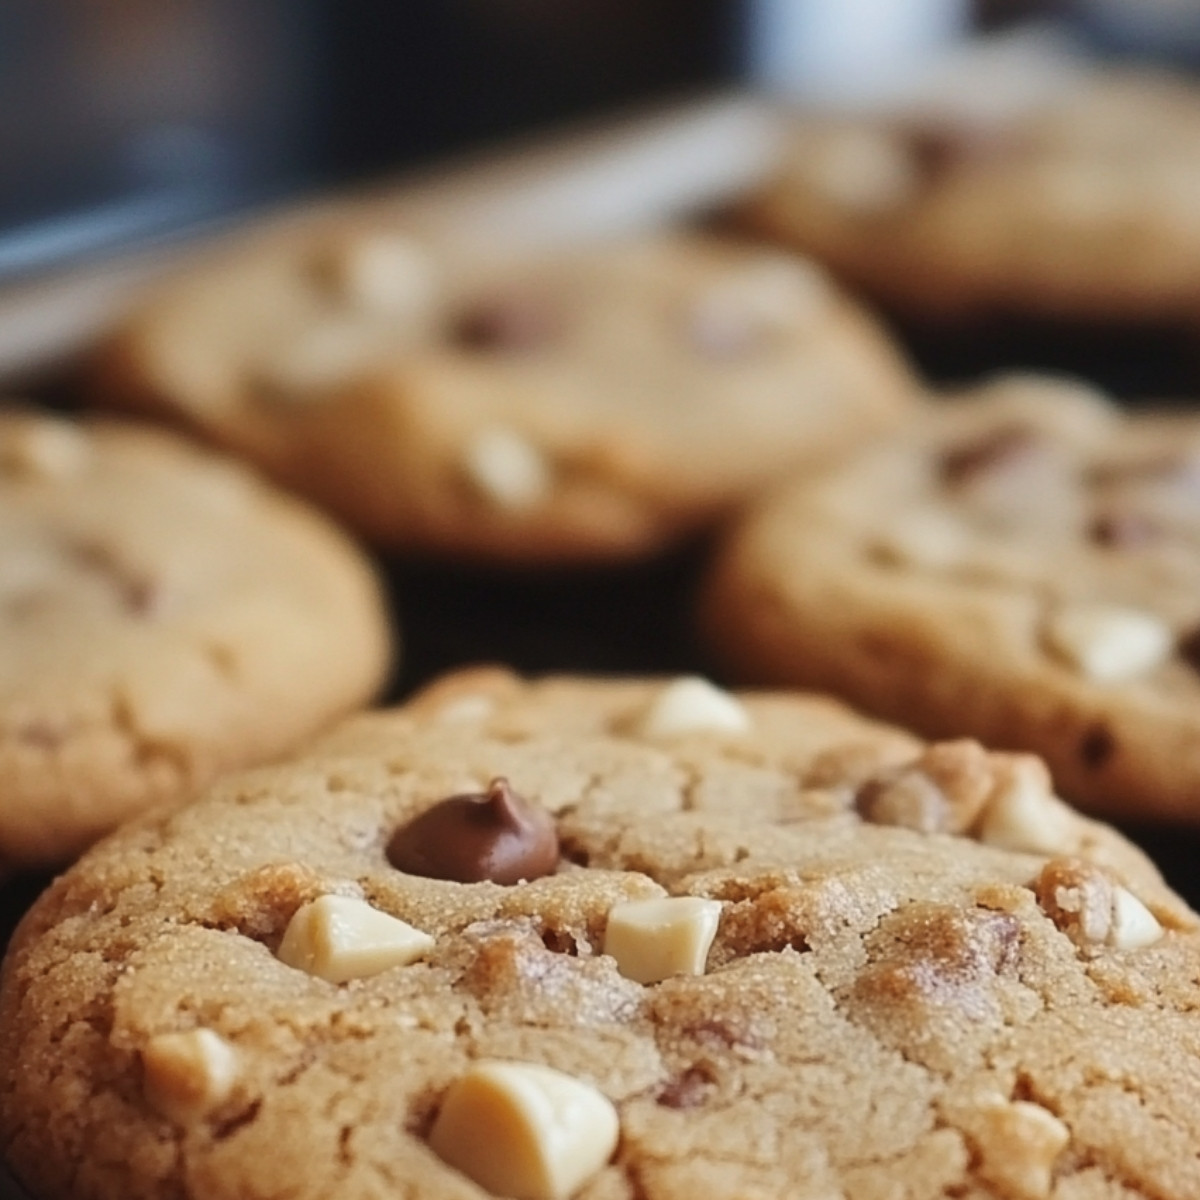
<point>163,616</point>
<point>1023,566</point>
<point>1081,207</point>
<point>568,405</point>
<point>780,952</point>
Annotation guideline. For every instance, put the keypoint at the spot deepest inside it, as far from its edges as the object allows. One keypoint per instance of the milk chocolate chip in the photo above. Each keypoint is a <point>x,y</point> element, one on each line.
<point>497,836</point>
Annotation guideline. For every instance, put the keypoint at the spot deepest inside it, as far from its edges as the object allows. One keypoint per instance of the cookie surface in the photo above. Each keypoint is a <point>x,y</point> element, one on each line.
<point>589,404</point>
<point>1023,567</point>
<point>163,616</point>
<point>902,970</point>
<point>1079,208</point>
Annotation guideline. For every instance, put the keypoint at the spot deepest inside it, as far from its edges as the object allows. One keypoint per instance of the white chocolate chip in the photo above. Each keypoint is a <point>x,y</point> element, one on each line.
<point>381,274</point>
<point>1108,643</point>
<point>660,937</point>
<point>339,938</point>
<point>691,705</point>
<point>524,1130</point>
<point>186,1075</point>
<point>506,468</point>
<point>1023,813</point>
<point>923,538</point>
<point>1133,924</point>
<point>1018,1144</point>
<point>864,170</point>
<point>44,448</point>
<point>466,709</point>
<point>1092,909</point>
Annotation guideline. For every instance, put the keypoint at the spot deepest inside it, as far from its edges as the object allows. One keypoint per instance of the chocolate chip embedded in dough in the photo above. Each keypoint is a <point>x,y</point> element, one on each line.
<point>997,449</point>
<point>512,322</point>
<point>498,836</point>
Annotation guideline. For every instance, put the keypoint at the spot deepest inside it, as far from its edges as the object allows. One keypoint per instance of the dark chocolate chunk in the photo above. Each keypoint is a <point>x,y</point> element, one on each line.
<point>497,836</point>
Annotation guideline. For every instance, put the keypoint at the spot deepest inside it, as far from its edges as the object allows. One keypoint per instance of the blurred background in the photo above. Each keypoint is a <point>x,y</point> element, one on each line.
<point>131,119</point>
<point>128,124</point>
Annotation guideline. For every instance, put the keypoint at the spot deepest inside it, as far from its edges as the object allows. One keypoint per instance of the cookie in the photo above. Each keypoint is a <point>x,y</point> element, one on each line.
<point>1023,566</point>
<point>593,404</point>
<point>608,939</point>
<point>1080,207</point>
<point>163,616</point>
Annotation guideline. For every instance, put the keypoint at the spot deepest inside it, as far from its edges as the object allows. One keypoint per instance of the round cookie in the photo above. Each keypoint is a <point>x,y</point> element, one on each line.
<point>163,616</point>
<point>1080,207</point>
<point>1023,566</point>
<point>558,405</point>
<point>786,952</point>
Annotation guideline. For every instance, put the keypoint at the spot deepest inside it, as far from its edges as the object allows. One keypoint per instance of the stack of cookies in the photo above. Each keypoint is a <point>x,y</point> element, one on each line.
<point>620,936</point>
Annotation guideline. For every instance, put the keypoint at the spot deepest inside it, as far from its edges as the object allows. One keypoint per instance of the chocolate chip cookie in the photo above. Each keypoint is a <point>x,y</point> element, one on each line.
<point>163,616</point>
<point>570,405</point>
<point>1081,207</point>
<point>608,939</point>
<point>1023,566</point>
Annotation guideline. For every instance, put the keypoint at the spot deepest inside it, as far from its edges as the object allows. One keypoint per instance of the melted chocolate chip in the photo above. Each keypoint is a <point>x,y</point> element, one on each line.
<point>1122,530</point>
<point>1000,448</point>
<point>511,322</point>
<point>496,836</point>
